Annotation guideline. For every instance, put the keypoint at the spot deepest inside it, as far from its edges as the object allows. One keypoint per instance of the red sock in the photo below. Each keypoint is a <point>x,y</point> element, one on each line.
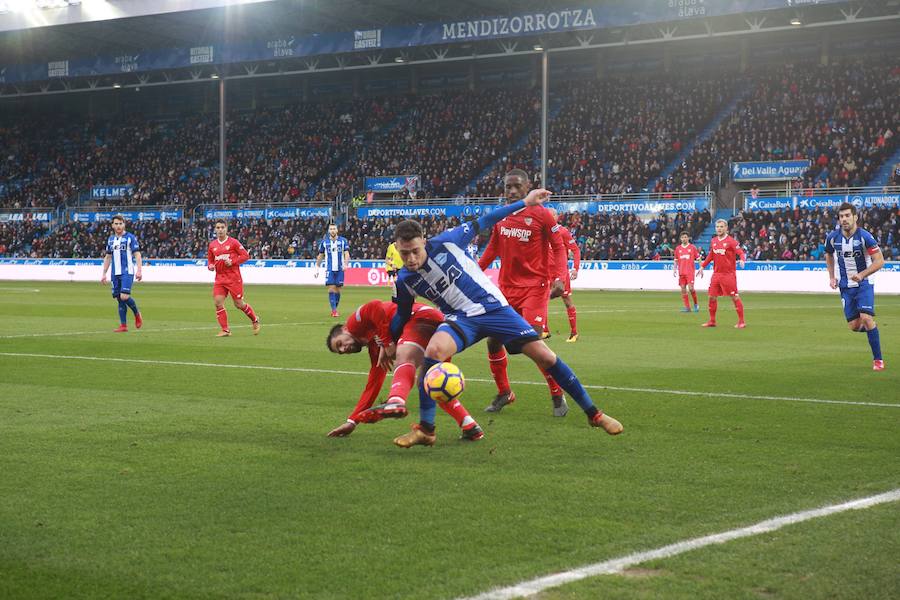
<point>222,318</point>
<point>713,307</point>
<point>739,307</point>
<point>555,390</point>
<point>498,370</point>
<point>402,381</point>
<point>684,298</point>
<point>573,321</point>
<point>694,296</point>
<point>459,413</point>
<point>248,310</point>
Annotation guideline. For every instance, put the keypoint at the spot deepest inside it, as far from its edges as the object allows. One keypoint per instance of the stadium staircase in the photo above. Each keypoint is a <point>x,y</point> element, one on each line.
<point>556,105</point>
<point>706,235</point>
<point>883,174</point>
<point>705,134</point>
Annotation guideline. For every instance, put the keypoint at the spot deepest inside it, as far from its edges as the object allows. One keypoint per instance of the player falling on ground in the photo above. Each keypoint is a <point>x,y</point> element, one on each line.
<point>123,253</point>
<point>857,255</point>
<point>224,256</point>
<point>369,326</point>
<point>529,245</point>
<point>438,269</point>
<point>723,250</point>
<point>392,261</point>
<point>571,246</point>
<point>334,250</point>
<point>686,258</point>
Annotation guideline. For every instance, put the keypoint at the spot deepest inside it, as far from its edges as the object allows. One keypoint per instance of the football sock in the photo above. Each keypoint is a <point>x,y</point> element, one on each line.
<point>567,379</point>
<point>331,300</point>
<point>555,390</point>
<point>427,406</point>
<point>498,362</point>
<point>573,320</point>
<point>684,298</point>
<point>694,296</point>
<point>123,311</point>
<point>132,305</point>
<point>739,307</point>
<point>248,310</point>
<point>402,381</point>
<point>713,307</point>
<point>222,318</point>
<point>875,343</point>
<point>337,299</point>
<point>455,409</point>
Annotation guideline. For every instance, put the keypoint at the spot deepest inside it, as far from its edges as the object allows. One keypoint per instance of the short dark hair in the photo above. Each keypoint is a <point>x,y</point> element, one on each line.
<point>847,206</point>
<point>118,218</point>
<point>331,333</point>
<point>408,230</point>
<point>684,233</point>
<point>222,221</point>
<point>518,173</point>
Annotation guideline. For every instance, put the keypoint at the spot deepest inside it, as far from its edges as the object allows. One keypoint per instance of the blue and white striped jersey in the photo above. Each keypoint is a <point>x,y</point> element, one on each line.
<point>333,249</point>
<point>852,255</point>
<point>122,250</point>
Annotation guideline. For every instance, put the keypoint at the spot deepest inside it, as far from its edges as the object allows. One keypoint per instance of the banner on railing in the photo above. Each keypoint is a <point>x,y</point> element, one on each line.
<point>831,201</point>
<point>778,170</point>
<point>42,217</point>
<point>103,192</point>
<point>289,212</point>
<point>128,215</point>
<point>392,183</point>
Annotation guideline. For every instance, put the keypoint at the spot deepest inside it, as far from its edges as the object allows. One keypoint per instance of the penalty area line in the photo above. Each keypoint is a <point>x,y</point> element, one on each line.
<point>182,363</point>
<point>618,565</point>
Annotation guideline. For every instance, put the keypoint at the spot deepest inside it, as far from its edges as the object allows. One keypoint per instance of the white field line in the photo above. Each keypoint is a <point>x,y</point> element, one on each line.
<point>749,310</point>
<point>618,565</point>
<point>212,327</point>
<point>181,363</point>
<point>20,289</point>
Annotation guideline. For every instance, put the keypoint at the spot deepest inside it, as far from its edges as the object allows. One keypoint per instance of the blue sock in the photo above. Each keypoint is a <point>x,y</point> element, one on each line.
<point>337,299</point>
<point>427,406</point>
<point>331,300</point>
<point>123,311</point>
<point>132,305</point>
<point>875,343</point>
<point>569,382</point>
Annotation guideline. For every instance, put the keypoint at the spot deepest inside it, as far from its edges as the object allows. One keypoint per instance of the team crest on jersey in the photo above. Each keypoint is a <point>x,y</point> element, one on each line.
<point>441,258</point>
<point>528,220</point>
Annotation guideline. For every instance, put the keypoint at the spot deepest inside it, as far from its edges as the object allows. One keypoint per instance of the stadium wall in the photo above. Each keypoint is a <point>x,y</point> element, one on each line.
<point>606,275</point>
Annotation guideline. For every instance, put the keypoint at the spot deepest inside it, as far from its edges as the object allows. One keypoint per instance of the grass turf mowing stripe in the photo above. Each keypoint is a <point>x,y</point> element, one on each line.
<point>617,565</point>
<point>145,330</point>
<point>362,373</point>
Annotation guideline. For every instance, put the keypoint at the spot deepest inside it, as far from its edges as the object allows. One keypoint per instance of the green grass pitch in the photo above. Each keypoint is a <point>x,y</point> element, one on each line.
<point>162,479</point>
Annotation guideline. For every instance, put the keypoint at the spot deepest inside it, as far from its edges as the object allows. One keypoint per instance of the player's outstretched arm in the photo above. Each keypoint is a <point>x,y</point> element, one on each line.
<point>403,298</point>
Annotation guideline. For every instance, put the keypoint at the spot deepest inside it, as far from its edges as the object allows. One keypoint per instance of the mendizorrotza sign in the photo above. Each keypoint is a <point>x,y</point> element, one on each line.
<point>769,171</point>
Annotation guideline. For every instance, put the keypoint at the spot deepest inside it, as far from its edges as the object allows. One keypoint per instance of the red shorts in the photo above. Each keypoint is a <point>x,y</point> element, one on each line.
<point>531,303</point>
<point>223,288</point>
<point>420,327</point>
<point>685,279</point>
<point>723,285</point>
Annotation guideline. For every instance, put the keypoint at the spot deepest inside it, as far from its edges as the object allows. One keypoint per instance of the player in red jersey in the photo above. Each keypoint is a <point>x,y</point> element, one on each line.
<point>529,244</point>
<point>723,250</point>
<point>571,248</point>
<point>686,256</point>
<point>369,326</point>
<point>224,256</point>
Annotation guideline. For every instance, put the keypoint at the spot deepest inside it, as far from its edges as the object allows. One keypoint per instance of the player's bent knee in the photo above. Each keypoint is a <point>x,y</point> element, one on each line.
<point>540,353</point>
<point>124,297</point>
<point>441,347</point>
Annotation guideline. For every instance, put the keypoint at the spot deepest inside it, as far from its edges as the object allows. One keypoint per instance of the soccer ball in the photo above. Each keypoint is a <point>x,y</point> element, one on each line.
<point>444,382</point>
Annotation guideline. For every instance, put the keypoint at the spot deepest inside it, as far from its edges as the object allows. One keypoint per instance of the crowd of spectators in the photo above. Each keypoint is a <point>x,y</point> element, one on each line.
<point>841,117</point>
<point>614,135</point>
<point>800,234</point>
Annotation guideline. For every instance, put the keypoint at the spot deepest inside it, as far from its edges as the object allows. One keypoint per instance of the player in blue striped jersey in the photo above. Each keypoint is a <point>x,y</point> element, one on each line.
<point>857,255</point>
<point>123,254</point>
<point>334,250</point>
<point>440,271</point>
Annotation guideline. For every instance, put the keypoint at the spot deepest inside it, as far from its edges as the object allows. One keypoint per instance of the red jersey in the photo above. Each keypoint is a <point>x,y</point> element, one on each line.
<point>723,254</point>
<point>570,244</point>
<point>215,257</point>
<point>371,323</point>
<point>530,248</point>
<point>685,257</point>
